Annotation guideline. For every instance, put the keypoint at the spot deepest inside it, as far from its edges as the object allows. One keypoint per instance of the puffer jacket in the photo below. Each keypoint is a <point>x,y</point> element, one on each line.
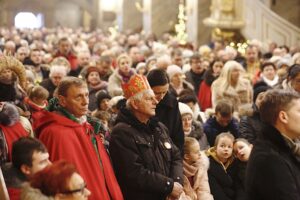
<point>146,161</point>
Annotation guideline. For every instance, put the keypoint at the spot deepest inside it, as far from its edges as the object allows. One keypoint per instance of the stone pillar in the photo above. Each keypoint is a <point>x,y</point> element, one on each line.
<point>147,17</point>
<point>3,13</point>
<point>163,16</point>
<point>11,14</point>
<point>49,19</point>
<point>128,16</point>
<point>196,11</point>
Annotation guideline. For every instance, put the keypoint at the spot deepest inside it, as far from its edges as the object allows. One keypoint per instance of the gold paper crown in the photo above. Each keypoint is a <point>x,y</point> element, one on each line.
<point>136,84</point>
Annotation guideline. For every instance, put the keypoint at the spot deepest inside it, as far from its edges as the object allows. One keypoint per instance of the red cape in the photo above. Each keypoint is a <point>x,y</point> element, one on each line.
<point>13,133</point>
<point>66,139</point>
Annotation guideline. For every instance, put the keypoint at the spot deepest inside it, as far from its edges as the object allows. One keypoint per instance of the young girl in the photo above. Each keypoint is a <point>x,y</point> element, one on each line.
<point>222,168</point>
<point>195,165</point>
<point>242,150</point>
<point>36,101</point>
<point>37,98</point>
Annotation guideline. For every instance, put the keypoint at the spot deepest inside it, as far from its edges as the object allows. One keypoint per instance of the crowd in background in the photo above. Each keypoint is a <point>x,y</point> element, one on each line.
<point>208,98</point>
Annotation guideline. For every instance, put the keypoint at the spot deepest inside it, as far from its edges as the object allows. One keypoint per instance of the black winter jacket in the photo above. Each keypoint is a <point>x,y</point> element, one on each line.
<point>167,112</point>
<point>146,161</point>
<point>251,126</point>
<point>273,172</point>
<point>221,181</point>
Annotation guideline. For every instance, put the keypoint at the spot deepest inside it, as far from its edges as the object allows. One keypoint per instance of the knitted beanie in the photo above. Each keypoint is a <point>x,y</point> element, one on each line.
<point>172,70</point>
<point>184,109</point>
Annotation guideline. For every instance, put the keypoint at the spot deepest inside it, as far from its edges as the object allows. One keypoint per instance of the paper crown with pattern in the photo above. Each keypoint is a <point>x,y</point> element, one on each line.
<point>136,84</point>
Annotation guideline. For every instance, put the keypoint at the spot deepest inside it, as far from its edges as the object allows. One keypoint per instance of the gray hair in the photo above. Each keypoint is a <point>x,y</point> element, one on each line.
<point>58,69</point>
<point>138,97</point>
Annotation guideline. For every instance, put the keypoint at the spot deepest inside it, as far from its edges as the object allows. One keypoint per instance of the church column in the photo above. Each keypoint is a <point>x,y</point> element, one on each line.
<point>196,11</point>
<point>49,18</point>
<point>128,16</point>
<point>162,15</point>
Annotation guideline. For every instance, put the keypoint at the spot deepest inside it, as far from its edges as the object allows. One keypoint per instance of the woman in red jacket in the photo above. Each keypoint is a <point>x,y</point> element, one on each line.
<point>204,95</point>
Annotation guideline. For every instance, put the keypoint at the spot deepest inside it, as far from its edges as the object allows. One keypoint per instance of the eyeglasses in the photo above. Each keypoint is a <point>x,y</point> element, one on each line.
<point>81,190</point>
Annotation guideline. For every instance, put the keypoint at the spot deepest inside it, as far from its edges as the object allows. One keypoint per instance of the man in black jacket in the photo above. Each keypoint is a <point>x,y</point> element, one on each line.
<point>167,110</point>
<point>147,164</point>
<point>273,170</point>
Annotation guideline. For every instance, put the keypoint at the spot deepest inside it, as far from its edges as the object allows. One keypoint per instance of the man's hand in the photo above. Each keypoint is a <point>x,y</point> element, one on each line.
<point>176,192</point>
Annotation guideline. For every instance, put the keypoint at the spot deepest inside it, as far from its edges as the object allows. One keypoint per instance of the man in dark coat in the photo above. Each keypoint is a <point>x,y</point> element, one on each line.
<point>251,126</point>
<point>167,110</point>
<point>196,74</point>
<point>273,170</point>
<point>147,164</point>
<point>223,121</point>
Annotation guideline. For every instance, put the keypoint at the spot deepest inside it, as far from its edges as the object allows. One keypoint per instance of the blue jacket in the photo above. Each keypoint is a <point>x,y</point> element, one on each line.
<point>212,128</point>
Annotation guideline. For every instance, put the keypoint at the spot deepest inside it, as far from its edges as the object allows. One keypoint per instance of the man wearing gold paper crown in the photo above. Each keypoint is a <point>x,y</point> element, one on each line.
<point>147,164</point>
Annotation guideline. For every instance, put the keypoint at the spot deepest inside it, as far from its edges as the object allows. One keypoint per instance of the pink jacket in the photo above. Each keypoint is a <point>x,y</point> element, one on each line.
<point>200,190</point>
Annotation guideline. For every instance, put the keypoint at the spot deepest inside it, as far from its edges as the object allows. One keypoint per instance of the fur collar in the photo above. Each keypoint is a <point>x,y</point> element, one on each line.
<point>9,114</point>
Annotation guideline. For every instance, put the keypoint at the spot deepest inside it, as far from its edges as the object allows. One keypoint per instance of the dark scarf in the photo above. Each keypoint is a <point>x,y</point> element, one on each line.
<point>197,78</point>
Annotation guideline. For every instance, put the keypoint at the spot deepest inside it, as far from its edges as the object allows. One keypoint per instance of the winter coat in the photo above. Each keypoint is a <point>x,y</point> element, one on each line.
<point>240,180</point>
<point>14,180</point>
<point>200,190</point>
<point>30,193</point>
<point>8,92</point>
<point>146,161</point>
<point>92,95</point>
<point>273,171</point>
<point>186,86</point>
<point>195,79</point>
<point>205,94</point>
<point>8,135</point>
<point>240,96</point>
<point>34,109</point>
<point>114,83</point>
<point>251,126</point>
<point>167,112</point>
<point>197,132</point>
<point>221,177</point>
<point>212,128</point>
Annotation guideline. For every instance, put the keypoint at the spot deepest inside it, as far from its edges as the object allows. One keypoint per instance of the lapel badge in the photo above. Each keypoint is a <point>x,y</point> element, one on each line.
<point>167,145</point>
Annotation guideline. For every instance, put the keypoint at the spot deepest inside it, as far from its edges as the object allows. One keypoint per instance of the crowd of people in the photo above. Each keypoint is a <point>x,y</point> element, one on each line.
<point>92,115</point>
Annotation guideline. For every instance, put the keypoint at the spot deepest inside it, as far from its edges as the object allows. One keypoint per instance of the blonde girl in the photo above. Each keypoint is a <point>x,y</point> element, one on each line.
<point>195,165</point>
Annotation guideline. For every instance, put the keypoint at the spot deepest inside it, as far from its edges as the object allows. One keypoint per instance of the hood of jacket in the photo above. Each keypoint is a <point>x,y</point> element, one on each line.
<point>47,118</point>
<point>211,152</point>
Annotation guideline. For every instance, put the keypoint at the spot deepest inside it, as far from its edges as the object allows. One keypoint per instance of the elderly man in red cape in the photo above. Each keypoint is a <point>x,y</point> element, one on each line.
<point>69,134</point>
